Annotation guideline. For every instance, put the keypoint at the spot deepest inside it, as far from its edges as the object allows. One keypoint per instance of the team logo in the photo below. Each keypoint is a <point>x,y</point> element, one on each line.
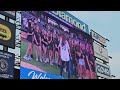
<point>3,65</point>
<point>100,49</point>
<point>5,33</point>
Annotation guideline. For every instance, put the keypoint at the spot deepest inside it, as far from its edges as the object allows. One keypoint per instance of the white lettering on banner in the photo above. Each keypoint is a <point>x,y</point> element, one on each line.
<point>98,38</point>
<point>5,55</point>
<point>4,76</point>
<point>103,70</point>
<point>37,76</point>
<point>69,19</point>
<point>63,15</point>
<point>64,28</point>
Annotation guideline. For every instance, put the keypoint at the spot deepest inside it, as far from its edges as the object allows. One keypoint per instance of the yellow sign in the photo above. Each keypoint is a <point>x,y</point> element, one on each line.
<point>5,33</point>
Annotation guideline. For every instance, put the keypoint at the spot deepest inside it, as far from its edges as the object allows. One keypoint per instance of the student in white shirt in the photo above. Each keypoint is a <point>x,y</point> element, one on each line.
<point>64,54</point>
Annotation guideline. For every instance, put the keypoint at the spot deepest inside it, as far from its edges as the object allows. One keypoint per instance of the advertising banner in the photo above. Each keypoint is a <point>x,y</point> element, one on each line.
<point>100,52</point>
<point>99,38</point>
<point>7,34</point>
<point>50,46</point>
<point>6,65</point>
<point>10,14</point>
<point>103,70</point>
<point>69,18</point>
<point>26,73</point>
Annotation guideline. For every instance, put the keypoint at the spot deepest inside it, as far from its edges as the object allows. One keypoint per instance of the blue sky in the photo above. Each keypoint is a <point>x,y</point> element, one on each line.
<point>107,24</point>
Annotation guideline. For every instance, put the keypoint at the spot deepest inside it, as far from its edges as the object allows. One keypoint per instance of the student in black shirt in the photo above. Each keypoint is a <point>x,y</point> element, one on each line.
<point>42,51</point>
<point>87,59</point>
<point>56,49</point>
<point>81,62</point>
<point>76,58</point>
<point>92,62</point>
<point>37,40</point>
<point>53,39</point>
<point>59,60</point>
<point>48,50</point>
<point>27,56</point>
<point>50,43</point>
<point>32,28</point>
<point>44,42</point>
<point>73,67</point>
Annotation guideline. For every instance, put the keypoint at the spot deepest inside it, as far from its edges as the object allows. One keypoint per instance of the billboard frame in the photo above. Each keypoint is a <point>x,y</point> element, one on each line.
<point>10,28</point>
<point>5,13</point>
<point>101,73</point>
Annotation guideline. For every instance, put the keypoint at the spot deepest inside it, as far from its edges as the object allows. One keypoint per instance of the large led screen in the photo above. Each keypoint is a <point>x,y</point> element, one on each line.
<point>51,49</point>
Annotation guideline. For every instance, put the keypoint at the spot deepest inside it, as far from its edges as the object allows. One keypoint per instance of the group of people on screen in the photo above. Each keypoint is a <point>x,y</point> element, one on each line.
<point>69,51</point>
